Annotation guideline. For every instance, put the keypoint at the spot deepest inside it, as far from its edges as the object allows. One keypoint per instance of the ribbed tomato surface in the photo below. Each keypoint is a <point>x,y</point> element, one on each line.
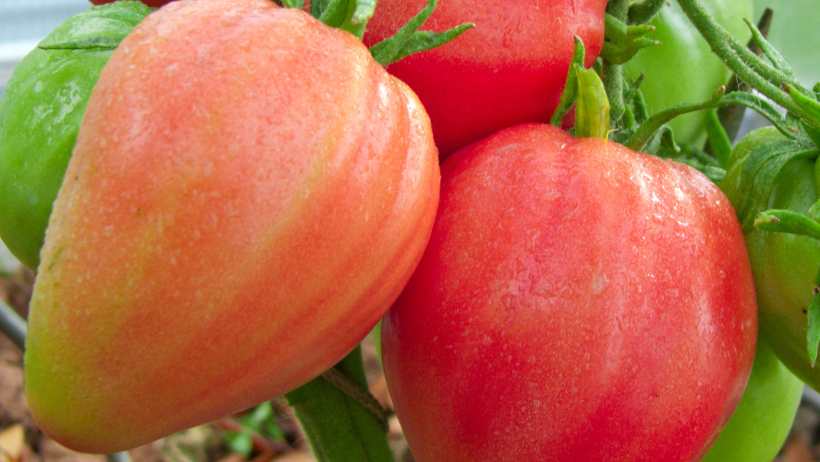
<point>578,301</point>
<point>249,193</point>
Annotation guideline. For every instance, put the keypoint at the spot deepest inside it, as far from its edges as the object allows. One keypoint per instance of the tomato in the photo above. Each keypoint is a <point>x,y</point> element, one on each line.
<point>40,113</point>
<point>233,221</point>
<point>760,424</point>
<point>509,69</point>
<point>794,33</point>
<point>683,69</point>
<point>578,301</point>
<point>785,265</point>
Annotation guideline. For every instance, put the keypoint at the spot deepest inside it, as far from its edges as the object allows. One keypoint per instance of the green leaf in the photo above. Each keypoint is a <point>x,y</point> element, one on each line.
<point>298,4</point>
<point>259,415</point>
<point>409,39</point>
<point>239,442</point>
<point>624,41</point>
<point>760,172</point>
<point>571,86</point>
<point>349,15</point>
<point>339,427</point>
<point>317,7</point>
<point>813,331</point>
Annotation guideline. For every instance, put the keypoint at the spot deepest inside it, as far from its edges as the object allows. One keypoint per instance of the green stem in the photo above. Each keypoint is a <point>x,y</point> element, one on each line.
<point>787,221</point>
<point>339,427</point>
<point>12,325</point>
<point>746,65</point>
<point>731,116</point>
<point>613,74</point>
<point>647,130</point>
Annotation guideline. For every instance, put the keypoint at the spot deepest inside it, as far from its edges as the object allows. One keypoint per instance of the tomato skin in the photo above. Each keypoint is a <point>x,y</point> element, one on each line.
<point>551,317</point>
<point>226,209</point>
<point>761,423</point>
<point>784,265</point>
<point>40,113</point>
<point>683,69</point>
<point>509,69</point>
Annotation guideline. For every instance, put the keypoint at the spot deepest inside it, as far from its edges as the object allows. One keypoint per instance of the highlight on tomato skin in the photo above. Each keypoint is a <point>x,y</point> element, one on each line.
<point>577,301</point>
<point>233,221</point>
<point>509,69</point>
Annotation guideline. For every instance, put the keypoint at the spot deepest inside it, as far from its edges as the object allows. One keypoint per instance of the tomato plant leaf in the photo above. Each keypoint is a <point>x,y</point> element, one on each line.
<point>623,41</point>
<point>293,3</point>
<point>239,442</point>
<point>760,172</point>
<point>338,426</point>
<point>409,39</point>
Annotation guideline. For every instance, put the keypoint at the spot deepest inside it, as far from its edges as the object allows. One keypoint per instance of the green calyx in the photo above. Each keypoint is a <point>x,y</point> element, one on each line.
<point>353,16</point>
<point>624,41</point>
<point>585,90</point>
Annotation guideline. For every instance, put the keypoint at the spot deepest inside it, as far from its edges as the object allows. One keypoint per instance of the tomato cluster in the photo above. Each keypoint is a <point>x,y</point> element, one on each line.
<point>222,197</point>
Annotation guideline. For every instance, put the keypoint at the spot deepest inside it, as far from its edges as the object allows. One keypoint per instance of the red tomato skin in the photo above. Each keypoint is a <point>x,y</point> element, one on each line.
<point>509,69</point>
<point>233,221</point>
<point>577,301</point>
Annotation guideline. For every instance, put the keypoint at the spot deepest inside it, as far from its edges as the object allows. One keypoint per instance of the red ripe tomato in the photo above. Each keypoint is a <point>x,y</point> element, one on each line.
<point>509,69</point>
<point>153,3</point>
<point>578,301</point>
<point>249,193</point>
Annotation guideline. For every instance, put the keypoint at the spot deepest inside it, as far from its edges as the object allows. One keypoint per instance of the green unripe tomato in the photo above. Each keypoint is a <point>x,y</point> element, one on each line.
<point>761,422</point>
<point>40,115</point>
<point>683,69</point>
<point>784,265</point>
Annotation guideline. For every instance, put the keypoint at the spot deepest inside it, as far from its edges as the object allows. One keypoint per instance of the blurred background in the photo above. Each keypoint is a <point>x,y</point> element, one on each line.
<point>23,23</point>
<point>269,432</point>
